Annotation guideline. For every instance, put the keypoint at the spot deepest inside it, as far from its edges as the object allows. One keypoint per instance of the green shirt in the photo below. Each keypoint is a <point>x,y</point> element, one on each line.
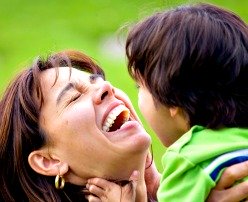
<point>193,164</point>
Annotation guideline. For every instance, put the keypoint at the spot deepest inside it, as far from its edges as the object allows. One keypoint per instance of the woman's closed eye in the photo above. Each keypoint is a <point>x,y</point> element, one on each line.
<point>81,89</point>
<point>73,98</point>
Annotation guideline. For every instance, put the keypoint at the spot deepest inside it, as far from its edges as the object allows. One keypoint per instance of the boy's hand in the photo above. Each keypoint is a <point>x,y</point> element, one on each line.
<point>105,191</point>
<point>152,177</point>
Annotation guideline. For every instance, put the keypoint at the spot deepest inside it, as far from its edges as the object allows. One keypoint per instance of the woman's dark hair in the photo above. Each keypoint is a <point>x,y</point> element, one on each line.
<point>196,58</point>
<point>20,133</point>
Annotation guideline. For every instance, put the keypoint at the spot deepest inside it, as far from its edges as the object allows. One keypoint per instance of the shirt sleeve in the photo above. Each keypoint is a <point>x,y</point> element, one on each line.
<point>183,181</point>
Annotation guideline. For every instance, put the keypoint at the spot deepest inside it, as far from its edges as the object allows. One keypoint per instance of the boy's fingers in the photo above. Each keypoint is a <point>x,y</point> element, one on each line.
<point>102,183</point>
<point>134,178</point>
<point>96,181</point>
<point>95,190</point>
<point>92,198</point>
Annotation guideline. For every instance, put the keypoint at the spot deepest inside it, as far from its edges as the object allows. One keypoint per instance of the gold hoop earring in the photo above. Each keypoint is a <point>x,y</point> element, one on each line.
<point>59,182</point>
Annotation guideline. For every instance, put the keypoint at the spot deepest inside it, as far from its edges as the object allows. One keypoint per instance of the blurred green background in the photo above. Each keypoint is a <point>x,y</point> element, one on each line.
<point>30,28</point>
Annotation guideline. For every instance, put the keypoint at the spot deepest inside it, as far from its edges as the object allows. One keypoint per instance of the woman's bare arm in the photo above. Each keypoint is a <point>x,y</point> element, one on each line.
<point>226,190</point>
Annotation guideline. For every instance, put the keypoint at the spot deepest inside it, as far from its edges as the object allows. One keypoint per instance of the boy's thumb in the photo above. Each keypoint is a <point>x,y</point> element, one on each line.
<point>134,178</point>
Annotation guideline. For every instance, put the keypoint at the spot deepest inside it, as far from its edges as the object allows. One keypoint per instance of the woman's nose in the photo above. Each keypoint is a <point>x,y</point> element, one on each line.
<point>103,91</point>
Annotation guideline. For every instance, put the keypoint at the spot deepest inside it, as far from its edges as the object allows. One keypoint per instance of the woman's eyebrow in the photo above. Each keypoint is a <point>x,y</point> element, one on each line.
<point>93,77</point>
<point>68,87</point>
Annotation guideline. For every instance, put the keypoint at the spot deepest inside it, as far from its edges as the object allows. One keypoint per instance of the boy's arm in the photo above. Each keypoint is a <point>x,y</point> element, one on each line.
<point>183,181</point>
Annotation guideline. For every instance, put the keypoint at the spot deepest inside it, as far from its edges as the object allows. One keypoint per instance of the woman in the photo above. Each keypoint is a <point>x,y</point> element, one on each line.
<point>61,122</point>
<point>54,122</point>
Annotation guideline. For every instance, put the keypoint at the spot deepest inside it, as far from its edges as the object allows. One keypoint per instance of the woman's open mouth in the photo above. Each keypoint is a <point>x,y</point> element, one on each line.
<point>116,118</point>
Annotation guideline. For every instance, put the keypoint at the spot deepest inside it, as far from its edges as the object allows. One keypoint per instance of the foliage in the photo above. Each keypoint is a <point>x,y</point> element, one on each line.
<point>31,28</point>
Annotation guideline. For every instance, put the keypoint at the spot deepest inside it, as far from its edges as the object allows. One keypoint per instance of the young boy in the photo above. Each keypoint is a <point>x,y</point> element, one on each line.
<point>191,65</point>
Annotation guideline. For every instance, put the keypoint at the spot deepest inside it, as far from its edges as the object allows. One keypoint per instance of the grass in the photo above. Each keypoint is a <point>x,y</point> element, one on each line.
<point>31,28</point>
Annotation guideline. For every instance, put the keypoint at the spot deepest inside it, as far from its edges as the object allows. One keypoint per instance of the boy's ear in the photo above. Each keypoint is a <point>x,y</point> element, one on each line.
<point>45,164</point>
<point>173,111</point>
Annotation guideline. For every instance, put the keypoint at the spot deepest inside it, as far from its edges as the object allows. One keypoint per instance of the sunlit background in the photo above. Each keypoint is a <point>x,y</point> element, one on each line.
<point>31,28</point>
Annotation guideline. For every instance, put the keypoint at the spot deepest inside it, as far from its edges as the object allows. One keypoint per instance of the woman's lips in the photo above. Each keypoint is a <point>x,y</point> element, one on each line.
<point>116,118</point>
<point>129,129</point>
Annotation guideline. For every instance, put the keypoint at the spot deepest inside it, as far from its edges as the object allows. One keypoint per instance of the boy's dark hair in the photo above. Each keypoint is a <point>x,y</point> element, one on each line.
<point>196,58</point>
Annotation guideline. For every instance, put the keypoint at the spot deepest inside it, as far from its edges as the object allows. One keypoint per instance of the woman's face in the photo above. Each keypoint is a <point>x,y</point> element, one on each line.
<point>77,115</point>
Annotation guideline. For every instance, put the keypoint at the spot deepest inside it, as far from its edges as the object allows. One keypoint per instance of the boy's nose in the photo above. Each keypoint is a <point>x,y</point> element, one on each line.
<point>103,91</point>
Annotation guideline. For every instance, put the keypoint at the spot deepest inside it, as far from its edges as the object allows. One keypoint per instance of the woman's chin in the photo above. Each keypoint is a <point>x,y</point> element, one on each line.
<point>131,137</point>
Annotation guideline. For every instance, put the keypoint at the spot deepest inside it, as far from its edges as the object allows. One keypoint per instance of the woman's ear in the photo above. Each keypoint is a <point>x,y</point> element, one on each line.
<point>45,164</point>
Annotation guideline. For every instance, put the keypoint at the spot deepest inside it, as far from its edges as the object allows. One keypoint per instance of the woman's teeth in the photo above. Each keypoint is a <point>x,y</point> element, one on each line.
<point>112,116</point>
